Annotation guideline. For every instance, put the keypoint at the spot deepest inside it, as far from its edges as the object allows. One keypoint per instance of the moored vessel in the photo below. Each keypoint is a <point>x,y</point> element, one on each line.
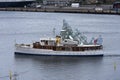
<point>15,3</point>
<point>67,43</point>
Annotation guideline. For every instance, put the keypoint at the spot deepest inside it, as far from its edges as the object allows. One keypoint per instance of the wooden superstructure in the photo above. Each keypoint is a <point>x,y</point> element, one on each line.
<point>54,47</point>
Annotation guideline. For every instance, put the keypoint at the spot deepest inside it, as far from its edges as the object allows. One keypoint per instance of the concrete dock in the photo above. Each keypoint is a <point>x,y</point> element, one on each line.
<point>63,10</point>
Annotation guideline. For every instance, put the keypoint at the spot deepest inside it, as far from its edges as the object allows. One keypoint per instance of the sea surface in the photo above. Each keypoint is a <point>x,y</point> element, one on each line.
<point>26,27</point>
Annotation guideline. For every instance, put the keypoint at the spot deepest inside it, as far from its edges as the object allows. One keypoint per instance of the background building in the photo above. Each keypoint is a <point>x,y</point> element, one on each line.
<point>66,2</point>
<point>57,2</point>
<point>100,1</point>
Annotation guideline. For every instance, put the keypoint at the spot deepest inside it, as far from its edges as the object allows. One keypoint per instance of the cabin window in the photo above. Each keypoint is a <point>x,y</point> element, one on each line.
<point>46,42</point>
<point>65,40</point>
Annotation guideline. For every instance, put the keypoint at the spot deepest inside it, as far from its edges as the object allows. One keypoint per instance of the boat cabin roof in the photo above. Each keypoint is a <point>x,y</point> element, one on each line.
<point>47,39</point>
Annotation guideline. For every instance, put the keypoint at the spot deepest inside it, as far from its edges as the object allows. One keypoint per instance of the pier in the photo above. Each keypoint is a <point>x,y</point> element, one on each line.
<point>63,10</point>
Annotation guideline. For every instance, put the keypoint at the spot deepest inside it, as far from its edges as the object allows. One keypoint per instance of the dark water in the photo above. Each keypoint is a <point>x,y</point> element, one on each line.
<point>25,27</point>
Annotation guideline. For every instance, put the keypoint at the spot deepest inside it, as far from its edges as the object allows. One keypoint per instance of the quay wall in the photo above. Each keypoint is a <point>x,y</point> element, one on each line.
<point>63,10</point>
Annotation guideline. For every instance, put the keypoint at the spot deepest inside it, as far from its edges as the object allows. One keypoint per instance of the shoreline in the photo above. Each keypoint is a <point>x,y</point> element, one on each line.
<point>63,10</point>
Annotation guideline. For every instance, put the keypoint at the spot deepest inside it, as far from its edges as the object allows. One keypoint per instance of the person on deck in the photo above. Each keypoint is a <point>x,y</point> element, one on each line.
<point>99,40</point>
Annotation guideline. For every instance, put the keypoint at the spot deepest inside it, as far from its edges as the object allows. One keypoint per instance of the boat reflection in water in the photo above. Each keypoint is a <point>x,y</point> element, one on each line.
<point>55,59</point>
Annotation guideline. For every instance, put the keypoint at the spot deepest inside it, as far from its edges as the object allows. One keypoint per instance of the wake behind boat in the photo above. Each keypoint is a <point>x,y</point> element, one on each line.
<point>68,43</point>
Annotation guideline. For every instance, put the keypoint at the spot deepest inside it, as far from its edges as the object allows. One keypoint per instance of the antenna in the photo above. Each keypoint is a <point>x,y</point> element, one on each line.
<point>54,31</point>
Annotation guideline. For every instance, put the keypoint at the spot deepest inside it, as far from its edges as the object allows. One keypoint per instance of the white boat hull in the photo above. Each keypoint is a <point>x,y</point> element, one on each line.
<point>44,52</point>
